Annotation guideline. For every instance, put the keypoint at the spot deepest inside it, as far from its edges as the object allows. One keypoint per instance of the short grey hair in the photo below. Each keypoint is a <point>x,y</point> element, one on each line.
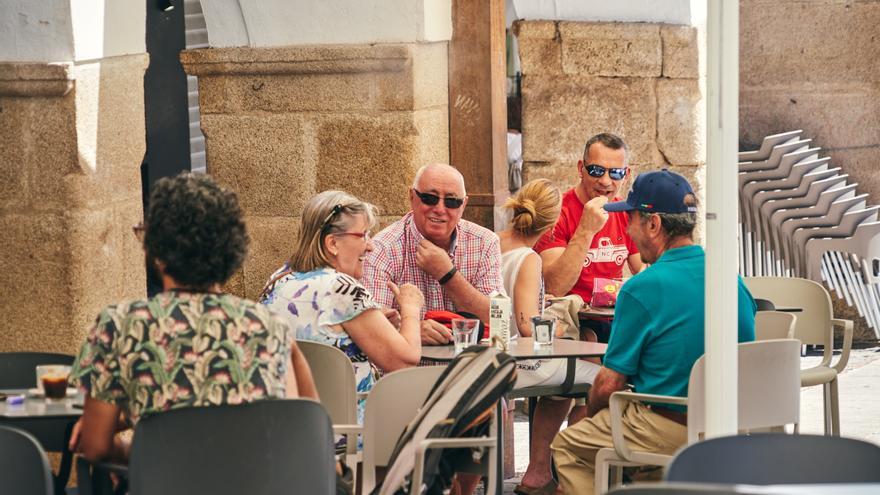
<point>676,224</point>
<point>421,170</point>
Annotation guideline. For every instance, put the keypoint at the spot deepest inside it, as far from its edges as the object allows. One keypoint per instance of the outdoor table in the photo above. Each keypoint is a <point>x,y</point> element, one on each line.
<point>784,489</point>
<point>520,349</point>
<point>789,309</point>
<point>50,422</point>
<point>588,312</point>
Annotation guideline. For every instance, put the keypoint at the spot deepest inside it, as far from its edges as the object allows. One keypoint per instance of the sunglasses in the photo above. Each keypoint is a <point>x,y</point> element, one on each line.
<point>599,171</point>
<point>325,225</point>
<point>432,199</point>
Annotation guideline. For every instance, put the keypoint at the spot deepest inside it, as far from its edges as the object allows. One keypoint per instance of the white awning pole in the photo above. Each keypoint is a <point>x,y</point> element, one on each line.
<point>722,82</point>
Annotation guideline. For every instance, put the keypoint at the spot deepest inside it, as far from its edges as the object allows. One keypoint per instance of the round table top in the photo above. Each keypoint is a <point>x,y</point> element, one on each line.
<point>587,312</point>
<point>39,407</point>
<point>524,348</point>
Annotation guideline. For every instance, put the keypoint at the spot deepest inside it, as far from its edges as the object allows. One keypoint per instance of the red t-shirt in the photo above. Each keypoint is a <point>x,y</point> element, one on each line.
<point>609,250</point>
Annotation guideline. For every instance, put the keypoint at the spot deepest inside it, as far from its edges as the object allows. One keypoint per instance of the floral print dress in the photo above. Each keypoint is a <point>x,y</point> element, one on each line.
<point>317,303</point>
<point>182,349</point>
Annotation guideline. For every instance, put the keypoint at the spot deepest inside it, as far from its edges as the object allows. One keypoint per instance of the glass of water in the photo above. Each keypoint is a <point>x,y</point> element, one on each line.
<point>464,333</point>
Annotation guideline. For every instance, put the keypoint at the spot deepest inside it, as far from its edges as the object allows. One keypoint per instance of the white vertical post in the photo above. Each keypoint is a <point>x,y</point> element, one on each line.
<point>722,82</point>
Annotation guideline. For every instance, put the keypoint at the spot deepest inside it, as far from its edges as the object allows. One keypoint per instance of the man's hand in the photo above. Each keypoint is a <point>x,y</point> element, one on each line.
<point>594,216</point>
<point>432,259</point>
<point>392,315</point>
<point>434,333</point>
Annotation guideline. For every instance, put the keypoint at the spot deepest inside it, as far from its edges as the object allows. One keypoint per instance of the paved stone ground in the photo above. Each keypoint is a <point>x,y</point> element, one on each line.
<point>859,406</point>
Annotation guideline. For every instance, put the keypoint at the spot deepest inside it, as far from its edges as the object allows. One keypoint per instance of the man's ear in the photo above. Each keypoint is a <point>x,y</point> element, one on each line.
<point>464,202</point>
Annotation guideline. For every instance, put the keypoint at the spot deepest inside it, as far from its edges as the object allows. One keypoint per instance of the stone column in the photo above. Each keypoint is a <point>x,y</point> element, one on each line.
<point>638,80</point>
<point>71,143</point>
<point>284,123</point>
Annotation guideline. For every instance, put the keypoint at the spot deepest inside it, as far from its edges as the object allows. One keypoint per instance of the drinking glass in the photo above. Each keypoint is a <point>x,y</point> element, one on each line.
<point>464,333</point>
<point>542,330</point>
<point>52,380</point>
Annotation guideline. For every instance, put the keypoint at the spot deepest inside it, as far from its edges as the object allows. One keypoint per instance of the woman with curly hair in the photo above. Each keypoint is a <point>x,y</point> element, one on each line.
<point>190,345</point>
<point>535,209</point>
<point>319,290</point>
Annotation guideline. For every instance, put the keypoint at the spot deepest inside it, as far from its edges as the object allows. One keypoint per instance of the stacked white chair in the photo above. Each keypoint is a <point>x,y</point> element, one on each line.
<point>799,217</point>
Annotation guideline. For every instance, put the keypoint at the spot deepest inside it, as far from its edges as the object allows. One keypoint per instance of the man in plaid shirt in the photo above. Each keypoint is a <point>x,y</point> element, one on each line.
<point>455,263</point>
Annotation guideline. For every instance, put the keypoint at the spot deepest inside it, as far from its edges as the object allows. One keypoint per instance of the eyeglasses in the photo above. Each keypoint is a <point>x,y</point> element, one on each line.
<point>597,171</point>
<point>432,199</point>
<point>139,230</point>
<point>363,235</point>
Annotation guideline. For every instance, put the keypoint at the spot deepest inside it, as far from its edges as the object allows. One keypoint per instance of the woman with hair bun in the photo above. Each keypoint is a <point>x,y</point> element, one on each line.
<point>535,209</point>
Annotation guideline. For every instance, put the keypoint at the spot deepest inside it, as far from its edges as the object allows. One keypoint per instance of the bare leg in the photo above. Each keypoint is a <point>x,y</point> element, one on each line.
<point>577,413</point>
<point>549,415</point>
<point>465,483</point>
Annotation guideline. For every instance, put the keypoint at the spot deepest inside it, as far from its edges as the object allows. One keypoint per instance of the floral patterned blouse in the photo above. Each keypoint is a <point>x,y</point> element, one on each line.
<point>317,303</point>
<point>182,349</point>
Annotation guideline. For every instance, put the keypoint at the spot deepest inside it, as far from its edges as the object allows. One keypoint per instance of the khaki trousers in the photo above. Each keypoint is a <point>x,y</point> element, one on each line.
<point>574,449</point>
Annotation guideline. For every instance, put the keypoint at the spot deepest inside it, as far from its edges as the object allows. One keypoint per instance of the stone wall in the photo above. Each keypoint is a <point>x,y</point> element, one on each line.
<point>638,80</point>
<point>71,143</point>
<point>282,124</point>
<point>815,66</point>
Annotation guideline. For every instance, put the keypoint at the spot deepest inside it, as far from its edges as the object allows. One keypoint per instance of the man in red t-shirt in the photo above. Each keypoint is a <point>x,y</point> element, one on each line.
<point>588,242</point>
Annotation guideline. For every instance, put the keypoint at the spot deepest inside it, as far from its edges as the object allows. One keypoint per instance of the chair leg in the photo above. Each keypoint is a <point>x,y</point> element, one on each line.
<point>616,476</point>
<point>600,484</point>
<point>835,408</point>
<point>826,409</point>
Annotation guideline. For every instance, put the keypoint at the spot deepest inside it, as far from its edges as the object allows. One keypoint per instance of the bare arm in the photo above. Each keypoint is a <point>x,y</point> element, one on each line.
<point>607,382</point>
<point>98,440</point>
<point>635,263</point>
<point>467,298</point>
<point>435,261</point>
<point>304,384</point>
<point>562,266</point>
<point>388,348</point>
<point>525,294</point>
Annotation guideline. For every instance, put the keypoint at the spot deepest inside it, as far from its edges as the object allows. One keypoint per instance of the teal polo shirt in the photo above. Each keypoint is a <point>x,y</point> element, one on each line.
<point>659,319</point>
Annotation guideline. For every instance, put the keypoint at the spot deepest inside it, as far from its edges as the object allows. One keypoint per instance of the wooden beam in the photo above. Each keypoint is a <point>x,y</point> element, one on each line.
<point>478,105</point>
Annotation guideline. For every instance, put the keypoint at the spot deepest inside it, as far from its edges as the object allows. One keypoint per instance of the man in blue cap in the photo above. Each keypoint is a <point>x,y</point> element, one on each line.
<point>657,333</point>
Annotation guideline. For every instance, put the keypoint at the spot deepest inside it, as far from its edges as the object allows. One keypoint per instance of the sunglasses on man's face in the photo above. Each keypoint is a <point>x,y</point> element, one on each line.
<point>432,199</point>
<point>597,171</point>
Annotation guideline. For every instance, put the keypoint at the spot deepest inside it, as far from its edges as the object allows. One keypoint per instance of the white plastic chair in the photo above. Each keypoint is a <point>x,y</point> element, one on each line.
<point>391,405</point>
<point>773,325</point>
<point>768,397</point>
<point>831,218</point>
<point>337,389</point>
<point>814,326</point>
<point>767,145</point>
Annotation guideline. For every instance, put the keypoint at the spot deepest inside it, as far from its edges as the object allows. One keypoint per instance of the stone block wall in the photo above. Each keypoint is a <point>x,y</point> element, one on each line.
<point>815,66</point>
<point>638,80</point>
<point>71,144</point>
<point>282,124</point>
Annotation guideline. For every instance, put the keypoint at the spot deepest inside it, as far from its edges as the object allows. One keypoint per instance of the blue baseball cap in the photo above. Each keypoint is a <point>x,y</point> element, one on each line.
<point>660,191</point>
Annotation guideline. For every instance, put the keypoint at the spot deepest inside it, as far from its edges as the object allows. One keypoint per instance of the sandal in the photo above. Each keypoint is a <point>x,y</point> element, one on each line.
<point>548,489</point>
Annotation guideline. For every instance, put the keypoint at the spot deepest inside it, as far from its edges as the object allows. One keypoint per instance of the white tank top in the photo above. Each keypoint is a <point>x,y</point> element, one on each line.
<point>511,262</point>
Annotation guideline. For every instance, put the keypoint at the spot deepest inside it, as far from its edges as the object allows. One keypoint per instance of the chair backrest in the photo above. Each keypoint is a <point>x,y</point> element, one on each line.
<point>772,325</point>
<point>776,458</point>
<point>270,446</point>
<point>682,489</point>
<point>18,369</point>
<point>769,387</point>
<point>391,405</point>
<point>24,467</point>
<point>813,325</point>
<point>334,380</point>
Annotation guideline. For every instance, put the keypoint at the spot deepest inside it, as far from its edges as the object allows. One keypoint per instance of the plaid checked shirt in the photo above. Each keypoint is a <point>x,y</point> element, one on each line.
<point>475,251</point>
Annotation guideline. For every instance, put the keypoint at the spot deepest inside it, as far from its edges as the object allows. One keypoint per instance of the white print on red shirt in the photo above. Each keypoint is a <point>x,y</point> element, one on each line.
<point>606,253</point>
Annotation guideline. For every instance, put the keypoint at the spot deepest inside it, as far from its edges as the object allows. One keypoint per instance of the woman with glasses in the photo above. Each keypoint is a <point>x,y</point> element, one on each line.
<point>318,289</point>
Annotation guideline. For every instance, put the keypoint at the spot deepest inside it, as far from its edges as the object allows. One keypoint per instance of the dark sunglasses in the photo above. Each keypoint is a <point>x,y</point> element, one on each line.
<point>432,199</point>
<point>598,171</point>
